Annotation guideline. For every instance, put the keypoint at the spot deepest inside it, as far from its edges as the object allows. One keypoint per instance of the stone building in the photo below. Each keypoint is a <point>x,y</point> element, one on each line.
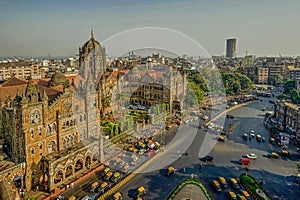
<point>288,115</point>
<point>53,125</point>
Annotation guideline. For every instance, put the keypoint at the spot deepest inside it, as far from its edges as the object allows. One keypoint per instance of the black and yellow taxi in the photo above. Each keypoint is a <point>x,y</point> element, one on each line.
<point>141,191</point>
<point>94,186</point>
<point>221,138</point>
<point>222,181</point>
<point>118,196</point>
<point>234,183</point>
<point>116,177</point>
<point>170,171</point>
<point>216,185</point>
<point>103,187</point>
<point>274,155</point>
<point>285,153</point>
<point>231,195</point>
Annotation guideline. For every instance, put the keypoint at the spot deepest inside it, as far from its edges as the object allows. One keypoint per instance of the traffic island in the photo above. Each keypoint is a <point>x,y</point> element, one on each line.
<point>190,187</point>
<point>254,188</point>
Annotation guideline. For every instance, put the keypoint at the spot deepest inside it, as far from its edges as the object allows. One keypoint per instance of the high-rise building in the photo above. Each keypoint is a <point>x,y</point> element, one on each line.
<point>231,47</point>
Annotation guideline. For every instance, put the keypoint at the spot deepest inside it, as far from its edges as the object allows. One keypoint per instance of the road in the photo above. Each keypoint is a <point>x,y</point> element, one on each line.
<point>278,175</point>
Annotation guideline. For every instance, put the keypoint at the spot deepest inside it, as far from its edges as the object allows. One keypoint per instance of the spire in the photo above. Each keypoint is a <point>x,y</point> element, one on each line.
<point>92,33</point>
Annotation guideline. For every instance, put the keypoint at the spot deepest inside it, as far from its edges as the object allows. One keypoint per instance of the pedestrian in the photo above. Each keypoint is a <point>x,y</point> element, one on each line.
<point>200,167</point>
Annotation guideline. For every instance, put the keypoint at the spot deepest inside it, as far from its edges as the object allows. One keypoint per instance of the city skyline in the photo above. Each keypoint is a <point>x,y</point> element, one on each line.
<point>262,28</point>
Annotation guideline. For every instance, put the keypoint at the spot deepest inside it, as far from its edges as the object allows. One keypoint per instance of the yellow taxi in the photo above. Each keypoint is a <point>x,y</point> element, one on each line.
<point>285,153</point>
<point>94,186</point>
<point>231,195</point>
<point>170,171</point>
<point>246,194</point>
<point>108,175</point>
<point>118,196</point>
<point>222,182</point>
<point>234,183</point>
<point>72,198</point>
<point>221,138</point>
<point>140,192</point>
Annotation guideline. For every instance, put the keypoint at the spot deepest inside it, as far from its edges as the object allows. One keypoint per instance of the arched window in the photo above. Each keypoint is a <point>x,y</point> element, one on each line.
<point>31,133</point>
<point>32,150</point>
<point>41,146</point>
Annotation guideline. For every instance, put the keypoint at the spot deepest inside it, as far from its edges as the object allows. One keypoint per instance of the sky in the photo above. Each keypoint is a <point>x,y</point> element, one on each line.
<point>37,28</point>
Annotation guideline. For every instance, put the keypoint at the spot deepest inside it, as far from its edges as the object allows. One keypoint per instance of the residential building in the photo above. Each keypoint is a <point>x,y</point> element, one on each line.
<point>20,69</point>
<point>262,73</point>
<point>292,72</point>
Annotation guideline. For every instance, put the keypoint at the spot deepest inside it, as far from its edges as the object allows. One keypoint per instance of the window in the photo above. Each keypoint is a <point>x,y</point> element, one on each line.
<point>32,150</point>
<point>41,146</point>
<point>31,134</point>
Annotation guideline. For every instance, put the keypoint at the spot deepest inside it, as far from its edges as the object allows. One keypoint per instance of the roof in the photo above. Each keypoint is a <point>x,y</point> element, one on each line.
<point>6,191</point>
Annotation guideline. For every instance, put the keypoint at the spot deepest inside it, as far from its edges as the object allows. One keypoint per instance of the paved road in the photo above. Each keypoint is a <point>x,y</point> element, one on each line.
<point>279,175</point>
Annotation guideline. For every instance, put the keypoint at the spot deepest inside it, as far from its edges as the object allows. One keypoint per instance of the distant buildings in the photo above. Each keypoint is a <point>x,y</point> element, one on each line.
<point>231,48</point>
<point>292,72</point>
<point>20,69</point>
<point>262,74</point>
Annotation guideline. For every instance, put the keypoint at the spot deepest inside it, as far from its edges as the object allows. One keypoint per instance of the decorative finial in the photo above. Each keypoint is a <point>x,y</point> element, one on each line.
<point>92,33</point>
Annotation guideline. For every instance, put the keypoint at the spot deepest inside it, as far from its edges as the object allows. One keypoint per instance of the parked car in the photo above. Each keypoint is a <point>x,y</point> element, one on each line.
<point>223,182</point>
<point>234,183</point>
<point>251,156</point>
<point>231,195</point>
<point>216,185</point>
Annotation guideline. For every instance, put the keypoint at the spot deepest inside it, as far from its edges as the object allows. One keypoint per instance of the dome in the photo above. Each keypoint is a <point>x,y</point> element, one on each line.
<point>91,44</point>
<point>57,79</point>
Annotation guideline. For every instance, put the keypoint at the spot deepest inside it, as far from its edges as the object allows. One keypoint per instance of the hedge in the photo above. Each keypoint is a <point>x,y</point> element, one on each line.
<point>189,181</point>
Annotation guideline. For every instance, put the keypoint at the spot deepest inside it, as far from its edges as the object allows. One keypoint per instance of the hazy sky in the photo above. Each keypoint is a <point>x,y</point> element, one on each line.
<point>36,28</point>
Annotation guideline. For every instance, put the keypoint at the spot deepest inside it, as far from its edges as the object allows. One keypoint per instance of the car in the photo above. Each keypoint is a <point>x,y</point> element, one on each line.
<point>258,138</point>
<point>205,117</point>
<point>263,109</point>
<point>272,141</point>
<point>170,171</point>
<point>207,159</point>
<point>88,197</point>
<point>263,139</point>
<point>252,133</point>
<point>285,153</point>
<point>245,136</point>
<point>234,183</point>
<point>245,194</point>
<point>251,156</point>
<point>94,186</point>
<point>298,179</point>
<point>231,195</point>
<point>216,185</point>
<point>221,138</point>
<point>223,182</point>
<point>118,196</point>
<point>103,187</point>
<point>140,192</point>
<point>273,155</point>
<point>116,177</point>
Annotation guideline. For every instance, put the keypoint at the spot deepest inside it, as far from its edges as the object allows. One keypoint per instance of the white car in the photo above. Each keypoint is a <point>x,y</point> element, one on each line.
<point>251,156</point>
<point>205,117</point>
<point>252,134</point>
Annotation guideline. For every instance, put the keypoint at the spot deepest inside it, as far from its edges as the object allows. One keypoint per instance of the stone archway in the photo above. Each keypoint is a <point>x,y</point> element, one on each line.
<point>78,165</point>
<point>59,176</point>
<point>69,171</point>
<point>88,162</point>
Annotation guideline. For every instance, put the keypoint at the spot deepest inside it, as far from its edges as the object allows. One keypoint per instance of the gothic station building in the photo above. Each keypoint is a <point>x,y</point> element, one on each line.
<point>53,125</point>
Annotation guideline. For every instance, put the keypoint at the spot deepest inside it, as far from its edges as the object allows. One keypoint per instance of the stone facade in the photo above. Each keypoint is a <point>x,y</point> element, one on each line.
<point>55,127</point>
<point>288,115</point>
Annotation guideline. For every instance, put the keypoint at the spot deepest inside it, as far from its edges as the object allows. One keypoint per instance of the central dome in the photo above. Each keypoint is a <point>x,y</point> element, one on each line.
<point>91,44</point>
